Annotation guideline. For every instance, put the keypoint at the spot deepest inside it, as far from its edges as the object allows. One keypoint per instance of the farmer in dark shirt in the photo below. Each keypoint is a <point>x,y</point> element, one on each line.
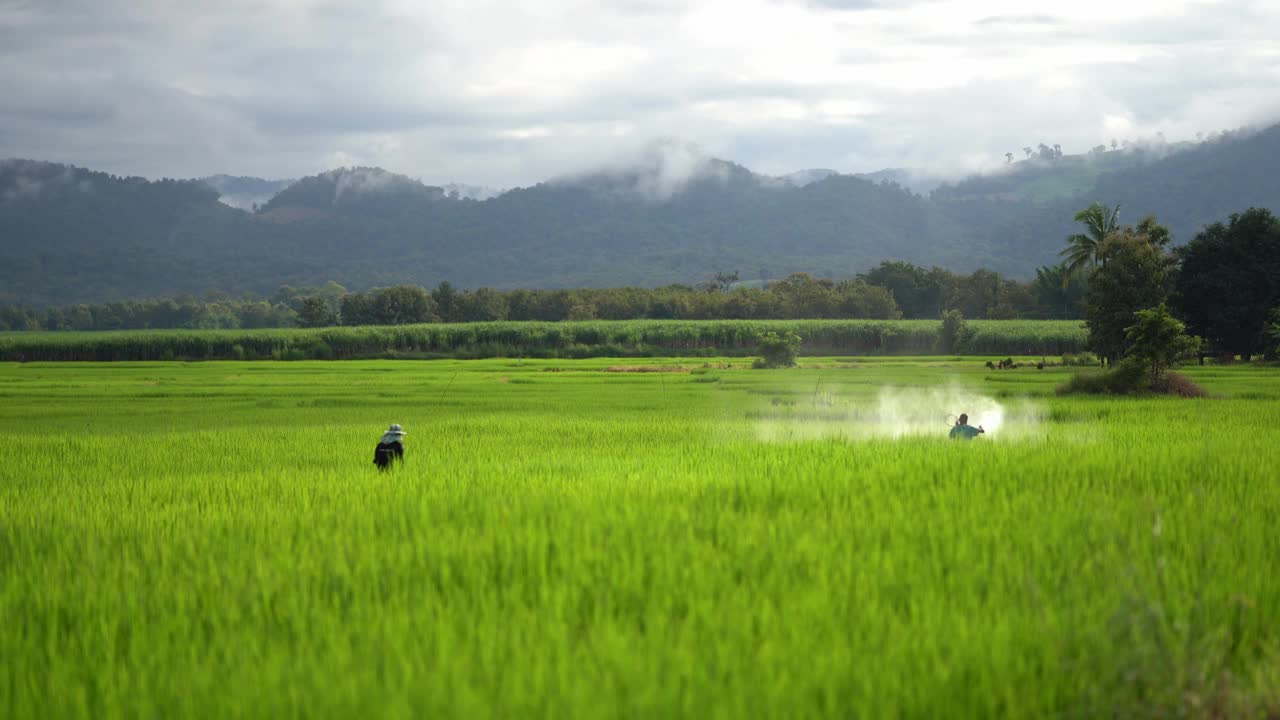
<point>964,430</point>
<point>390,448</point>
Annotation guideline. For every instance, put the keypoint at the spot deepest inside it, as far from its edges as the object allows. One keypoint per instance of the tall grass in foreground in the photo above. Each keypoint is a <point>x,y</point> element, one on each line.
<point>212,540</point>
<point>624,338</point>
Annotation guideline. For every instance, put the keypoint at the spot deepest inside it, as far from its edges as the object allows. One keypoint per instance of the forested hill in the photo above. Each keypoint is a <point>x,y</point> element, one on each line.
<point>71,235</point>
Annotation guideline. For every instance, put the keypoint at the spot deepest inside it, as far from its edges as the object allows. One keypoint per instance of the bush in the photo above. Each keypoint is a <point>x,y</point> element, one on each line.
<point>778,350</point>
<point>1126,378</point>
<point>1157,344</point>
<point>1182,386</point>
<point>1157,339</point>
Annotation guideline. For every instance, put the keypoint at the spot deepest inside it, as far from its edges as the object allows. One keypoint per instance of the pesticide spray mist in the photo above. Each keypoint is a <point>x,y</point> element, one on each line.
<point>896,412</point>
<point>933,411</point>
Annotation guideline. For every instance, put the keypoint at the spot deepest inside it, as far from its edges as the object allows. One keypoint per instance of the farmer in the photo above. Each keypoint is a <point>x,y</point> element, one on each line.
<point>390,448</point>
<point>964,430</point>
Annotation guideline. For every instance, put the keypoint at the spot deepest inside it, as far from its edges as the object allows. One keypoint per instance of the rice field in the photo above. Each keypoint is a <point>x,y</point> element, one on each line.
<point>633,538</point>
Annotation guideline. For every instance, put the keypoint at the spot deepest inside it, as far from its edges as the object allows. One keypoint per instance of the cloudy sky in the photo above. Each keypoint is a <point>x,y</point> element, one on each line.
<point>510,93</point>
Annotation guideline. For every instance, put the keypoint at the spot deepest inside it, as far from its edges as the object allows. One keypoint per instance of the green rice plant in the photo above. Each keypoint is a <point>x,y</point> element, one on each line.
<point>212,539</point>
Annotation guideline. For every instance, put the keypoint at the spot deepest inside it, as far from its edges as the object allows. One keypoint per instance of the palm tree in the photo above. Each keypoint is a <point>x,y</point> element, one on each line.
<point>1082,248</point>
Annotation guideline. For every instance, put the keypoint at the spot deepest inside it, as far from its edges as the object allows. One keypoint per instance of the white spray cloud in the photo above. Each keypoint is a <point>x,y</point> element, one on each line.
<point>928,411</point>
<point>898,413</point>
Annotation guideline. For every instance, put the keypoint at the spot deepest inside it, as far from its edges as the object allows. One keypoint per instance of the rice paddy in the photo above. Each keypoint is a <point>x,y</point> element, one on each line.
<point>633,538</point>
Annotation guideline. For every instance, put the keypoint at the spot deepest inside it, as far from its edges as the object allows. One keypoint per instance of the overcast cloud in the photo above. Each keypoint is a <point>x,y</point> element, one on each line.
<point>511,93</point>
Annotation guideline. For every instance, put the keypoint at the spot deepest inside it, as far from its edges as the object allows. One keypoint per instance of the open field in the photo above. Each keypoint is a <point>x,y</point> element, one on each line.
<point>594,539</point>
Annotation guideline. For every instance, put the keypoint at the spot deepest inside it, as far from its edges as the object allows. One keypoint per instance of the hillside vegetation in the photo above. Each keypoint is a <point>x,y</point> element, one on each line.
<point>72,235</point>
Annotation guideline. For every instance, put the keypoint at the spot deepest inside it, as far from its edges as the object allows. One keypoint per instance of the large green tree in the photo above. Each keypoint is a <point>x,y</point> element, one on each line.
<point>1130,276</point>
<point>1229,281</point>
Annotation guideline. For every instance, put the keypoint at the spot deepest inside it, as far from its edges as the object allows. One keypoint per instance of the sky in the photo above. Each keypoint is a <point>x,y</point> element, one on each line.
<point>505,94</point>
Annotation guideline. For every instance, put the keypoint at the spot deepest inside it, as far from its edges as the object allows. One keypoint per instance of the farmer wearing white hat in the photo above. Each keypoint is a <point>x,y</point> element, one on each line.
<point>390,448</point>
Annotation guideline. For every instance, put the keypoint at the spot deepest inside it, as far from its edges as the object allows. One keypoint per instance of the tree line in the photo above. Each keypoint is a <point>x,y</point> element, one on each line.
<point>892,290</point>
<point>1222,287</point>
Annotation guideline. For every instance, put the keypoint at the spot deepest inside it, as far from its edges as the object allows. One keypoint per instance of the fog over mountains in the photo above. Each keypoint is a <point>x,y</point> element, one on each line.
<point>670,215</point>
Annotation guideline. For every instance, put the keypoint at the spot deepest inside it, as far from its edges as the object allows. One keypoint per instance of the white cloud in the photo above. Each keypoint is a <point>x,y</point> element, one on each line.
<point>502,93</point>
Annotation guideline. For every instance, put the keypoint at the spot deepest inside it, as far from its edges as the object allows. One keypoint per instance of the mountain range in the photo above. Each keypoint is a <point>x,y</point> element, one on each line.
<point>69,234</point>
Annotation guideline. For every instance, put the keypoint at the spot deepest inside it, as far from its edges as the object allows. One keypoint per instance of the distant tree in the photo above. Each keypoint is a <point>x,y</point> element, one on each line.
<point>1099,150</point>
<point>1054,297</point>
<point>1130,277</point>
<point>1057,151</point>
<point>267,315</point>
<point>858,299</point>
<point>720,282</point>
<point>1027,149</point>
<point>16,318</point>
<point>1008,158</point>
<point>803,296</point>
<point>919,293</point>
<point>750,303</point>
<point>481,305</point>
<point>1014,300</point>
<point>582,309</point>
<point>976,295</point>
<point>332,293</point>
<point>401,305</point>
<point>315,312</point>
<point>446,299</point>
<point>79,317</point>
<point>357,309</point>
<point>1229,281</point>
<point>1114,144</point>
<point>1083,248</point>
